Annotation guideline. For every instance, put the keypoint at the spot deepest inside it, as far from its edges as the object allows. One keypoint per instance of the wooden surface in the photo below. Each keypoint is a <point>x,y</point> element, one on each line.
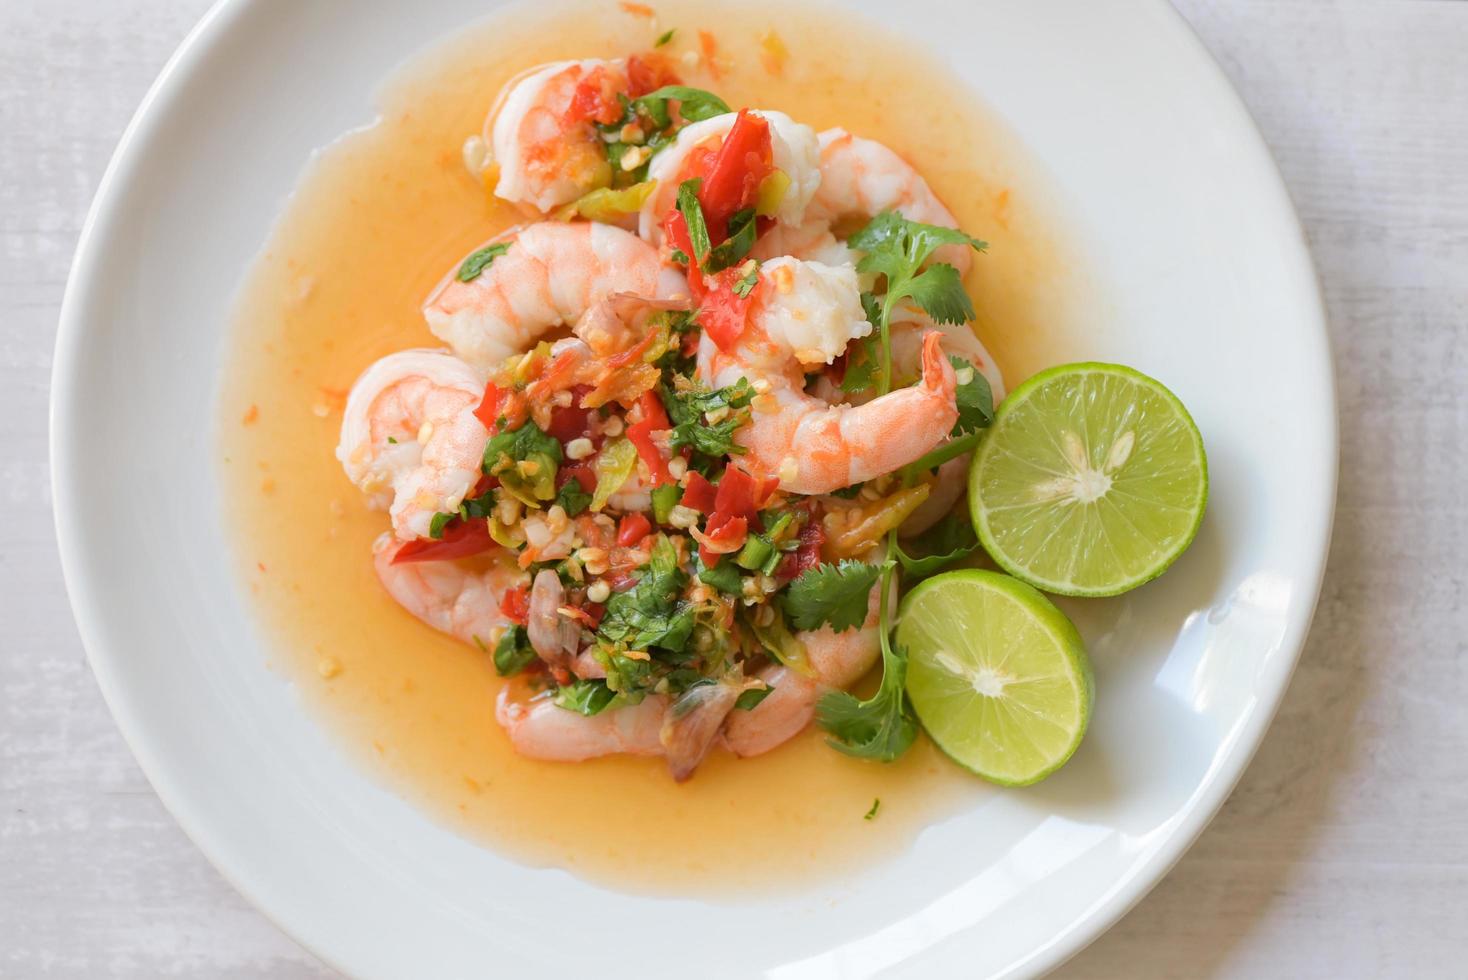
<point>1344,851</point>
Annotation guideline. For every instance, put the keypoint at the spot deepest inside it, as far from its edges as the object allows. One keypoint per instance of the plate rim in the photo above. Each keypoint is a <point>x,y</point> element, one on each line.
<point>1110,906</point>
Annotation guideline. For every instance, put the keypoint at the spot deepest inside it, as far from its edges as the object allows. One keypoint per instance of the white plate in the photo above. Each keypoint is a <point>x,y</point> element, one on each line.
<point>1215,293</point>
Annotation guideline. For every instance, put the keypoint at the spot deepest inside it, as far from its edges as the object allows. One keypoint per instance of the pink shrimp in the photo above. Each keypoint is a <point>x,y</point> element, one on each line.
<point>836,661</point>
<point>450,596</point>
<point>552,274</point>
<point>546,152</point>
<point>806,313</point>
<point>409,437</point>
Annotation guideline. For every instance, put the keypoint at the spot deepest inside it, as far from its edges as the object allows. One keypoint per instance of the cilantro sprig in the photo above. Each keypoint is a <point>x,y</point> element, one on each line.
<point>835,595</point>
<point>897,249</point>
<point>688,411</point>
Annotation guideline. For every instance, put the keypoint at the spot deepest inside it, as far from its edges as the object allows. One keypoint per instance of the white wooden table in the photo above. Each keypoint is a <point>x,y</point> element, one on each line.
<point>1344,851</point>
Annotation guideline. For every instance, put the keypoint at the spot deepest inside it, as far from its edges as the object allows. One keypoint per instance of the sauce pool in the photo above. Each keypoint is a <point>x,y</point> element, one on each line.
<point>374,223</point>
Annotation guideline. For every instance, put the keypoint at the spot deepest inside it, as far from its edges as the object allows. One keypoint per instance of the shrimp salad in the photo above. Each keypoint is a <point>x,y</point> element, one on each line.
<point>689,427</point>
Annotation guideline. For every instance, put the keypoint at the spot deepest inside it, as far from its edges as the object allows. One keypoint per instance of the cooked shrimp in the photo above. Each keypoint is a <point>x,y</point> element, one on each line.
<point>547,152</point>
<point>540,729</point>
<point>862,178</point>
<point>837,660</point>
<point>552,274</point>
<point>682,731</point>
<point>409,437</point>
<point>805,313</point>
<point>958,340</point>
<point>450,596</point>
<point>795,151</point>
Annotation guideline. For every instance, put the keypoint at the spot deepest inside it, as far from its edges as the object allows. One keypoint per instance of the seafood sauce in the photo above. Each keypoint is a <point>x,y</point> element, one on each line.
<point>375,220</point>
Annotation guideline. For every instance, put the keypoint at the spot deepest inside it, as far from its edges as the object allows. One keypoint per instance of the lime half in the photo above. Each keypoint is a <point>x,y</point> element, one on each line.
<point>997,674</point>
<point>1091,481</point>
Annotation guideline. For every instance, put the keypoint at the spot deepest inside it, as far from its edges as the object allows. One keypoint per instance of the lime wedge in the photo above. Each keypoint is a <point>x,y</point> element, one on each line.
<point>996,673</point>
<point>1091,481</point>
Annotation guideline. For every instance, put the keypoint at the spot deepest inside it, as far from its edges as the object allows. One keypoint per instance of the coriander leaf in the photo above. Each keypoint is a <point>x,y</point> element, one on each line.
<point>692,211</point>
<point>513,653</point>
<point>651,613</point>
<point>975,399</point>
<point>477,262</point>
<point>872,813</point>
<point>437,523</point>
<point>572,498</point>
<point>627,676</point>
<point>945,542</point>
<point>688,411</point>
<point>679,256</point>
<point>585,697</point>
<point>520,444</point>
<point>861,365</point>
<point>694,104</point>
<point>732,250</point>
<point>835,594</point>
<point>881,727</point>
<point>724,576</point>
<point>665,37</point>
<point>751,698</point>
<point>939,291</point>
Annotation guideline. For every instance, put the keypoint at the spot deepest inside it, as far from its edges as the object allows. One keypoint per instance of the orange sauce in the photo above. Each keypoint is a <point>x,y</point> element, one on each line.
<point>376,219</point>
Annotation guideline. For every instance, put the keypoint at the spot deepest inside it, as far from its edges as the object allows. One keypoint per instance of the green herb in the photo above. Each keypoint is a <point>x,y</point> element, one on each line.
<point>732,250</point>
<point>679,256</point>
<point>975,400</point>
<point>585,697</point>
<point>477,262</point>
<point>897,248</point>
<point>947,541</point>
<point>777,639</point>
<point>665,37</point>
<point>751,698</point>
<point>572,498</point>
<point>664,499</point>
<point>747,282</point>
<point>832,594</point>
<point>848,493</point>
<point>881,727</point>
<point>651,613</point>
<point>626,676</point>
<point>694,104</point>
<point>480,506</point>
<point>513,653</point>
<point>391,441</point>
<point>687,410</point>
<point>872,813</point>
<point>724,576</point>
<point>935,458</point>
<point>862,361</point>
<point>437,523</point>
<point>521,444</point>
<point>692,211</point>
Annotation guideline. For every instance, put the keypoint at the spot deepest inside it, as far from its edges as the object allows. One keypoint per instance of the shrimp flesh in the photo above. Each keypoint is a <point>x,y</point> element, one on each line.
<point>410,439</point>
<point>547,154</point>
<point>863,178</point>
<point>552,274</point>
<point>837,660</point>
<point>681,731</point>
<point>805,313</point>
<point>448,595</point>
<point>795,151</point>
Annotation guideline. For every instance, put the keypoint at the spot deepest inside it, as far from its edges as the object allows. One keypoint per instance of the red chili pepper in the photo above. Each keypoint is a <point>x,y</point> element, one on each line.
<point>571,421</point>
<point>648,73</point>
<point>460,540</point>
<point>515,604</point>
<point>589,615</point>
<point>594,100</point>
<point>634,528</point>
<point>725,533</point>
<point>807,553</point>
<point>744,160</point>
<point>583,473</point>
<point>698,493</point>
<point>654,418</point>
<point>741,495</point>
<point>488,411</point>
<point>722,312</point>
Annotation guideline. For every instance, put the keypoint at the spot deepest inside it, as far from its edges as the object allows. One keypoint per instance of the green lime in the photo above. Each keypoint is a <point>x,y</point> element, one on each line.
<point>997,674</point>
<point>1091,481</point>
